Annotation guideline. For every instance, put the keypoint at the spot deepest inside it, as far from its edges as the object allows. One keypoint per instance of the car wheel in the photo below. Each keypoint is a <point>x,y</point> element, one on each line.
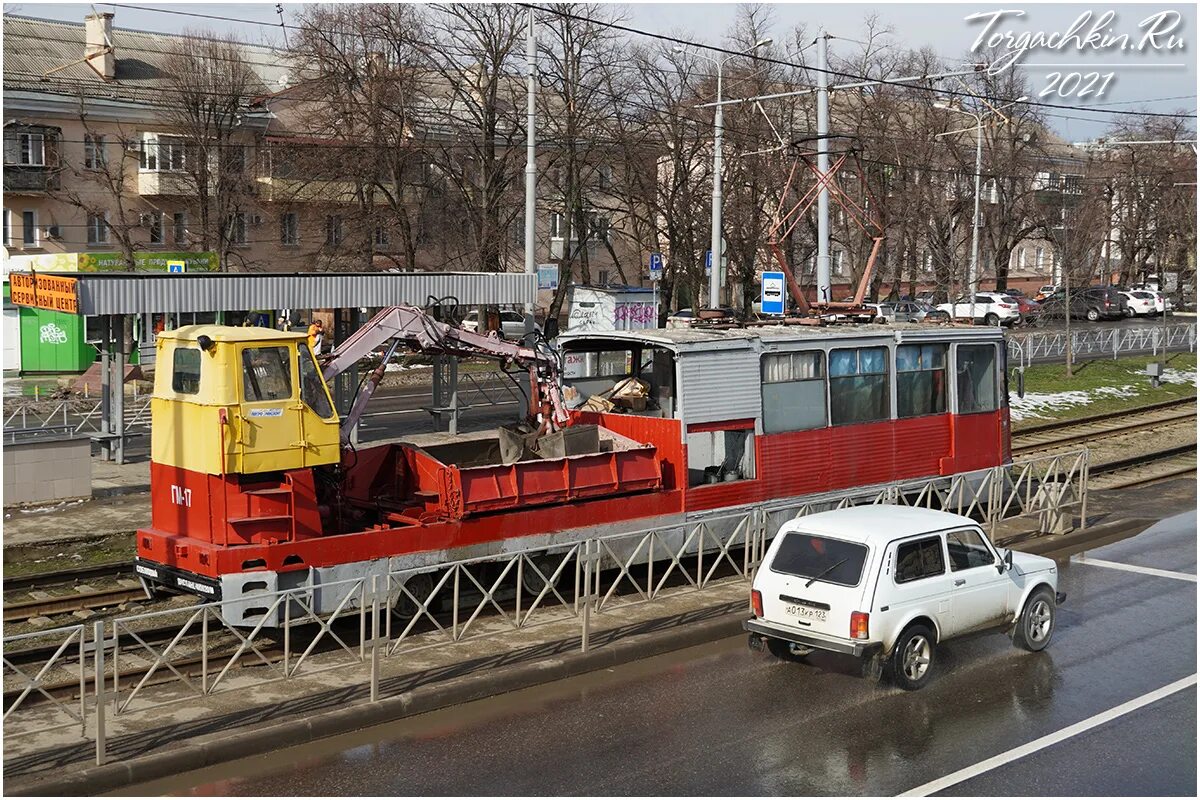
<point>911,663</point>
<point>991,319</point>
<point>1129,312</point>
<point>1035,626</point>
<point>1093,315</point>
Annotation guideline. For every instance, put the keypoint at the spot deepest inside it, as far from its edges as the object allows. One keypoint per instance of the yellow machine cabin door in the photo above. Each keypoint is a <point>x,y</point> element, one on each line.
<point>269,427</point>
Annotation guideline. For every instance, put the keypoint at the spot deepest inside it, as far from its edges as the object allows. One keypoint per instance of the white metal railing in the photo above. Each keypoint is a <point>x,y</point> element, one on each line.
<point>1025,348</point>
<point>181,655</point>
<point>79,415</point>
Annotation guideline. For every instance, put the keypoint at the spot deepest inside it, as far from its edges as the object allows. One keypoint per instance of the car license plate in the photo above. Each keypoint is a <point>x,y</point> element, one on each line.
<point>804,612</point>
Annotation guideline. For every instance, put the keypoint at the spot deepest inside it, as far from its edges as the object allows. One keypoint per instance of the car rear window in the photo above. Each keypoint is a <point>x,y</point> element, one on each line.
<point>807,556</point>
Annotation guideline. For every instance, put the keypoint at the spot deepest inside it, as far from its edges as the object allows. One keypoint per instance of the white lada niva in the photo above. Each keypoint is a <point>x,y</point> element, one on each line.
<point>888,584</point>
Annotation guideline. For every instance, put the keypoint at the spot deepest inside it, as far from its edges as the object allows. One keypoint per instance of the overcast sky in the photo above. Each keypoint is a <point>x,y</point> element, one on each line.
<point>1156,80</point>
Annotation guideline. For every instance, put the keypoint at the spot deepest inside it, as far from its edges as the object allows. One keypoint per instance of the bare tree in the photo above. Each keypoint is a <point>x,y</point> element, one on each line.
<point>473,57</point>
<point>209,86</point>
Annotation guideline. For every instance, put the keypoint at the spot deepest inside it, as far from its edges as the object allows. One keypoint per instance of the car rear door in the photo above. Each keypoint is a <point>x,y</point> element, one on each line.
<point>919,584</point>
<point>981,591</point>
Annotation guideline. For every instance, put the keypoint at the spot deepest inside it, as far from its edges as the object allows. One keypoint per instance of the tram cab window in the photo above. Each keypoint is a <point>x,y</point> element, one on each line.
<point>793,391</point>
<point>266,374</point>
<point>312,388</point>
<point>185,370</point>
<point>858,385</point>
<point>599,370</point>
<point>718,456</point>
<point>920,380</point>
<point>976,371</point>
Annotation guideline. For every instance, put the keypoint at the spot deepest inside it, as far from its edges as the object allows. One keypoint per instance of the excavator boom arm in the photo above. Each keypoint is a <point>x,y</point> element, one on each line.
<point>418,329</point>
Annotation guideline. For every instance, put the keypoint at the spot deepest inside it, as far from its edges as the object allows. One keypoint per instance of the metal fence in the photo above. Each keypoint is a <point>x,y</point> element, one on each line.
<point>140,663</point>
<point>1025,348</point>
<point>78,415</point>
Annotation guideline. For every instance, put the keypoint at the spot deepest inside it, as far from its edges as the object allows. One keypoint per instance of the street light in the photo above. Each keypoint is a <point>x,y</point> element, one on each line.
<point>714,279</point>
<point>973,271</point>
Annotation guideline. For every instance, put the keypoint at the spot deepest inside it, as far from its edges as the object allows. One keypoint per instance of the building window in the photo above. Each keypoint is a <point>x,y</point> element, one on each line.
<point>382,238</point>
<point>1021,258</point>
<point>976,378</point>
<point>29,229</point>
<point>162,153</point>
<point>606,176</point>
<point>333,230</point>
<point>717,456</point>
<point>97,228</point>
<point>858,385</point>
<point>237,228</point>
<point>289,228</point>
<point>7,227</point>
<point>157,232</point>
<point>920,380</point>
<point>835,259</point>
<point>793,391</point>
<point>179,225</point>
<point>557,225</point>
<point>1039,255</point>
<point>32,151</point>
<point>600,228</point>
<point>93,151</point>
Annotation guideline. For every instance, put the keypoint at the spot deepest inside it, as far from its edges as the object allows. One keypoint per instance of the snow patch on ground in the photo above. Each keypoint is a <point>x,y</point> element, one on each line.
<point>1034,405</point>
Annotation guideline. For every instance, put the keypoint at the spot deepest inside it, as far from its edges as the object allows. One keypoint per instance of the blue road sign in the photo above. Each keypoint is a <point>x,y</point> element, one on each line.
<point>707,263</point>
<point>176,266</point>
<point>773,301</point>
<point>656,266</point>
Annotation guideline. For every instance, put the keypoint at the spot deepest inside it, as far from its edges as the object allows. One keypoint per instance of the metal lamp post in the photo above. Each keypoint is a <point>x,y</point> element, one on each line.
<point>714,279</point>
<point>973,270</point>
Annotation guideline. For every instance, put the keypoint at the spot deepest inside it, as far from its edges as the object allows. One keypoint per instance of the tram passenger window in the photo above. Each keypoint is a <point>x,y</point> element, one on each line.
<point>920,380</point>
<point>312,389</point>
<point>976,378</point>
<point>266,374</point>
<point>185,370</point>
<point>793,391</point>
<point>858,385</point>
<point>720,456</point>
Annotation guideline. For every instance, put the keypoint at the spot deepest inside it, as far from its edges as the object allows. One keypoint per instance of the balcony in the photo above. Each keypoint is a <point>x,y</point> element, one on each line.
<point>30,180</point>
<point>165,184</point>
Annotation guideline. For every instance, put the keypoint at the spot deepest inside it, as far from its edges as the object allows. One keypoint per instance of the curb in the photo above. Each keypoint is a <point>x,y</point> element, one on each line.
<point>1077,541</point>
<point>218,748</point>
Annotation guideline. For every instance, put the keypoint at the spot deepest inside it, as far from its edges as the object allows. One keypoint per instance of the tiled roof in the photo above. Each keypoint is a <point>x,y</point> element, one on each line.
<point>46,56</point>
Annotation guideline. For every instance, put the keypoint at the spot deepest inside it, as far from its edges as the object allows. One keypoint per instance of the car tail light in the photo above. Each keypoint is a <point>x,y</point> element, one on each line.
<point>756,602</point>
<point>859,625</point>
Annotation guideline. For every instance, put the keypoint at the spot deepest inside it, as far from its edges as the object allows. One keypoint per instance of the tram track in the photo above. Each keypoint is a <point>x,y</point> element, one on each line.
<point>1141,470</point>
<point>1050,436</point>
<point>69,603</point>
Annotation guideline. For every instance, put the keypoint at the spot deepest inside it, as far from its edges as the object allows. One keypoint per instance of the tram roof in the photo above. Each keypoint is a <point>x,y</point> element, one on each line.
<point>709,338</point>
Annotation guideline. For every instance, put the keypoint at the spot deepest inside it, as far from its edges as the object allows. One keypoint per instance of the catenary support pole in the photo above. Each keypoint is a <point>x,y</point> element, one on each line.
<point>973,275</point>
<point>823,271</point>
<point>530,164</point>
<point>714,279</point>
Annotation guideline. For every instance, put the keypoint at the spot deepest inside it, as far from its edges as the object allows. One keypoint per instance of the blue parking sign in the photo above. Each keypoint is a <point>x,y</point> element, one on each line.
<point>656,266</point>
<point>773,301</point>
<point>707,263</point>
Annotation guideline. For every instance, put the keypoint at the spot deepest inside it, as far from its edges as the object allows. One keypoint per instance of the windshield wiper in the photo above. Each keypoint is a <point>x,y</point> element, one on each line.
<point>826,572</point>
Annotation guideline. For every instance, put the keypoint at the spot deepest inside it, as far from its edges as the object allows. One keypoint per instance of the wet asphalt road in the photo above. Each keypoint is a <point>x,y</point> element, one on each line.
<point>720,720</point>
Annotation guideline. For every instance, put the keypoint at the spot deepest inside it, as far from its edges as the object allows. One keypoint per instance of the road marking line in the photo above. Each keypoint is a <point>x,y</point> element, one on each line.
<point>926,789</point>
<point>1161,573</point>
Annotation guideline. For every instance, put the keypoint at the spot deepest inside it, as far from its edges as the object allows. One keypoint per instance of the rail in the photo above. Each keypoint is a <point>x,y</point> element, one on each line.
<point>1025,348</point>
<point>187,655</point>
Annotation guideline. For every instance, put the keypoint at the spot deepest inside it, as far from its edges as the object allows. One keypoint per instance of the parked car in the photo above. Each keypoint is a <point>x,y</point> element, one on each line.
<point>1160,301</point>
<point>890,584</point>
<point>1092,304</point>
<point>1014,292</point>
<point>991,308</point>
<point>1045,292</point>
<point>1029,309</point>
<point>512,324</point>
<point>912,311</point>
<point>1139,303</point>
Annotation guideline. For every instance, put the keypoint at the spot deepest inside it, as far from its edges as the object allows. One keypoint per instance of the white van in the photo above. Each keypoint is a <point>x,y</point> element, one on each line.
<point>887,584</point>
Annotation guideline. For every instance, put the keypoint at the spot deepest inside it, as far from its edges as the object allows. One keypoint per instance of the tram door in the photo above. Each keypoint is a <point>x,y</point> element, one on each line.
<point>977,411</point>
